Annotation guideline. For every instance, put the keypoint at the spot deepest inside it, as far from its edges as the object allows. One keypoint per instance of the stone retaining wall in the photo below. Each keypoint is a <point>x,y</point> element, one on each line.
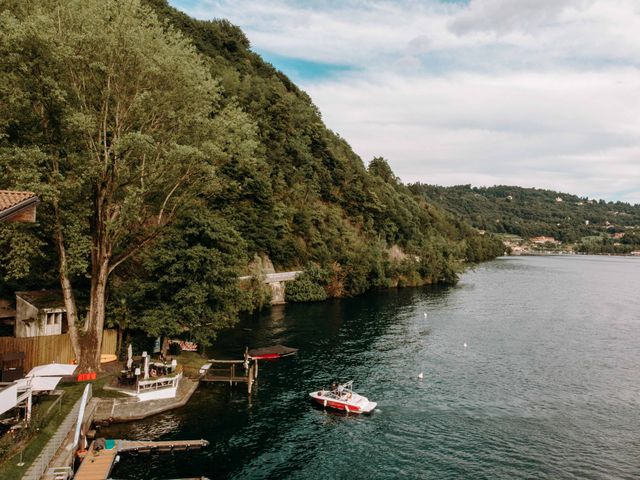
<point>113,410</point>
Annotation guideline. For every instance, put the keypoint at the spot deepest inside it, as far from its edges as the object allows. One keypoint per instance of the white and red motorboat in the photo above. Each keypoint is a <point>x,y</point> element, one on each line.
<point>342,397</point>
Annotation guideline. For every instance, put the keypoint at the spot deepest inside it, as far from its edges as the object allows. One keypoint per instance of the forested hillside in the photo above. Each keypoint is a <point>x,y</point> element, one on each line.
<point>595,226</point>
<point>310,197</point>
<point>168,155</point>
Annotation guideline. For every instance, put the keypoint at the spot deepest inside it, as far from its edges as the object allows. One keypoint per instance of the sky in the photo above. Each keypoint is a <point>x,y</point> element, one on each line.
<point>537,93</point>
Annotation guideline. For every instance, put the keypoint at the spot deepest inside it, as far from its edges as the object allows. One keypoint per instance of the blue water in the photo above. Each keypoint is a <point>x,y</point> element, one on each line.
<point>548,385</point>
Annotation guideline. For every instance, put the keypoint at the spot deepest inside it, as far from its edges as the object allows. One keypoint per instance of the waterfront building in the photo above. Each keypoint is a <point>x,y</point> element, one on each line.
<point>18,206</point>
<point>40,313</point>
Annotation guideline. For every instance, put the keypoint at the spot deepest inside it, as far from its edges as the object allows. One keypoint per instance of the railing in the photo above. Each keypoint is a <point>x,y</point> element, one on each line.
<point>60,473</point>
<point>274,277</point>
<point>158,383</point>
<point>41,463</point>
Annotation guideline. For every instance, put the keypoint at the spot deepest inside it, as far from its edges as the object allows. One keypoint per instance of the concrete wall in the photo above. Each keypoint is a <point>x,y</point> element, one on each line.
<point>47,321</point>
<point>52,321</point>
<point>277,293</point>
<point>26,311</point>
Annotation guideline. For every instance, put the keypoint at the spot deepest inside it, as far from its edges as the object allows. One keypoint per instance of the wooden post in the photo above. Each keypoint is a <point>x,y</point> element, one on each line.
<point>250,379</point>
<point>256,370</point>
<point>233,371</point>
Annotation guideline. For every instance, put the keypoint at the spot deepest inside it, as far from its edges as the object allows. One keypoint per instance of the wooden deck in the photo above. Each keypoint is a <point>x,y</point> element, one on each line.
<point>226,371</point>
<point>164,446</point>
<point>97,464</point>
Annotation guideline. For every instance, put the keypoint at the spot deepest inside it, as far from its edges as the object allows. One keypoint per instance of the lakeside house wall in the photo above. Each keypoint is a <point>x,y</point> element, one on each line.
<point>34,319</point>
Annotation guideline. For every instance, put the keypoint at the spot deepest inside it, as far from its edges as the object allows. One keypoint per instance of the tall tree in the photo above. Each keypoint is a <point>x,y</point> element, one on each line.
<point>113,115</point>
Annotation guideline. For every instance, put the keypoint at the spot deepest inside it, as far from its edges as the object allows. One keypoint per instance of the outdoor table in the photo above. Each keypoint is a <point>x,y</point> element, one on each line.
<point>160,368</point>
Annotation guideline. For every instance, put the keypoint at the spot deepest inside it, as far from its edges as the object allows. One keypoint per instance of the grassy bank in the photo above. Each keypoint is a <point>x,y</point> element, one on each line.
<point>42,428</point>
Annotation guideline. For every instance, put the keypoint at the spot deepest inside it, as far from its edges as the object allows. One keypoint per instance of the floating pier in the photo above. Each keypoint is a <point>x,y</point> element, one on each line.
<point>101,456</point>
<point>230,371</point>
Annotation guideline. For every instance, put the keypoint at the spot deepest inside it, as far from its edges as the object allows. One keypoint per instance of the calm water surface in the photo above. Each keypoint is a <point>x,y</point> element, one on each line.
<point>547,387</point>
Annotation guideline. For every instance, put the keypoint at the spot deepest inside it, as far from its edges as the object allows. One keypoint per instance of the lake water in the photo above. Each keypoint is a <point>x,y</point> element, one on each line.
<point>548,385</point>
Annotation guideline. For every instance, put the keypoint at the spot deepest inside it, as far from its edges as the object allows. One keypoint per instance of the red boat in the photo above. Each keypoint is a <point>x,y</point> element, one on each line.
<point>270,353</point>
<point>342,397</point>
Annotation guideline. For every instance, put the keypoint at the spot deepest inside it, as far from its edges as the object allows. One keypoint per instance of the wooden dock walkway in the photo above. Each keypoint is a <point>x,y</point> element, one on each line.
<point>226,371</point>
<point>98,463</point>
<point>163,446</point>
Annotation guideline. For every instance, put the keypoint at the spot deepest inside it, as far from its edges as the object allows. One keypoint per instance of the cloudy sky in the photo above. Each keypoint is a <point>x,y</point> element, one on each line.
<point>540,93</point>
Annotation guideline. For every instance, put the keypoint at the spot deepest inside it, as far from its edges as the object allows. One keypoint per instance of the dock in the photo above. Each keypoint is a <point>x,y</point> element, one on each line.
<point>231,372</point>
<point>98,461</point>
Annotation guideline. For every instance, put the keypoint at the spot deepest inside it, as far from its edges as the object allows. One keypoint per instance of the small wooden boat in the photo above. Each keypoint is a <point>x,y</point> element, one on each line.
<point>270,353</point>
<point>342,397</point>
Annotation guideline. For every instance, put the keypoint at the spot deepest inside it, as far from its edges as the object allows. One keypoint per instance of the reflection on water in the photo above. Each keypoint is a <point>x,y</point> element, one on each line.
<point>547,386</point>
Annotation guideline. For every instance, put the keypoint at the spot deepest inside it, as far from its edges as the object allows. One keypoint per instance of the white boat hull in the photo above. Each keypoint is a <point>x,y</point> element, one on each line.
<point>350,403</point>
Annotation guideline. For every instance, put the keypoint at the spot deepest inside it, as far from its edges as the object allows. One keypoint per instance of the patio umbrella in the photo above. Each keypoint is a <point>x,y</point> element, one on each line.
<point>129,357</point>
<point>52,370</point>
<point>146,365</point>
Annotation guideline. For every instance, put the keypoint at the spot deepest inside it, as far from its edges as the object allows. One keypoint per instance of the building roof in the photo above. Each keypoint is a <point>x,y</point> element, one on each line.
<point>43,298</point>
<point>12,202</point>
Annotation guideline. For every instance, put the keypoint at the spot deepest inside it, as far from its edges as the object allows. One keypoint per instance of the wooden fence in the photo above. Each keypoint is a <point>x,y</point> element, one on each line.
<point>51,348</point>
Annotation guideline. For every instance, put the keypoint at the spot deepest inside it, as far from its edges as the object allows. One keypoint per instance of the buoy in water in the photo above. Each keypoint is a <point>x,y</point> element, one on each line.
<point>465,344</point>
<point>421,375</point>
<point>425,314</point>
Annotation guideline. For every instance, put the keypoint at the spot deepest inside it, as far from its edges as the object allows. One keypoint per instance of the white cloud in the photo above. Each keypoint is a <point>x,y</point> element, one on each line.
<point>540,93</point>
<point>576,132</point>
<point>502,16</point>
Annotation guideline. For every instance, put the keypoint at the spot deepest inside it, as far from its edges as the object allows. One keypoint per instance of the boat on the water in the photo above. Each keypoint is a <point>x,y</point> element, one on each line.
<point>271,353</point>
<point>342,397</point>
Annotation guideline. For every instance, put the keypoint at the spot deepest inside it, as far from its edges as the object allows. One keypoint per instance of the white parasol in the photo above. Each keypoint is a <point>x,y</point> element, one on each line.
<point>146,365</point>
<point>129,357</point>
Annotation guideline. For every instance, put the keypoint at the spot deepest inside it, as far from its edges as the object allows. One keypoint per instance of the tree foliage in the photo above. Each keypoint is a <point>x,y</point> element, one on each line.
<point>167,154</point>
<point>531,212</point>
<point>121,124</point>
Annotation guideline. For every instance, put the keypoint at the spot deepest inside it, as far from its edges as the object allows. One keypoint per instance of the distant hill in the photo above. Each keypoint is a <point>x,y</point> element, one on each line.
<point>307,197</point>
<point>592,225</point>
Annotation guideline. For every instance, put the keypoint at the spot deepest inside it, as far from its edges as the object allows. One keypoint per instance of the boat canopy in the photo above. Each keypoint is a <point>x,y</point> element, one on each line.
<point>272,352</point>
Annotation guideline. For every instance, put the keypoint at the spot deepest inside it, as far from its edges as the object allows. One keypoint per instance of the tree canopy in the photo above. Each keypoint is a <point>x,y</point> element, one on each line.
<point>168,155</point>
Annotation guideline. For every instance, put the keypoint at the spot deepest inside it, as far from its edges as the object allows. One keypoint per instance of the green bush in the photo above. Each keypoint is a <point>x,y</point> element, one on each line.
<point>309,286</point>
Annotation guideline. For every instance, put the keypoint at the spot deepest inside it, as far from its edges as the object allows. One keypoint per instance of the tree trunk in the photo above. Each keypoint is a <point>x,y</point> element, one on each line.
<point>100,262</point>
<point>67,290</point>
<point>92,338</point>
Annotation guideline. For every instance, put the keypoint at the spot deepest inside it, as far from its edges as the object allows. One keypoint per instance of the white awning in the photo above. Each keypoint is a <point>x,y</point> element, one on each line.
<point>38,384</point>
<point>8,397</point>
<point>52,370</point>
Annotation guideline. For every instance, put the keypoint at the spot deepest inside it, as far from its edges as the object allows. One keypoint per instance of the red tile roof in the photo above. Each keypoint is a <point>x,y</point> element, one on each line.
<point>10,198</point>
<point>12,201</point>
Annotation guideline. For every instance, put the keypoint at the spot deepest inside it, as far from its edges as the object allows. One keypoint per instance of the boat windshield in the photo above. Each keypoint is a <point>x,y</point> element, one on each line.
<point>340,390</point>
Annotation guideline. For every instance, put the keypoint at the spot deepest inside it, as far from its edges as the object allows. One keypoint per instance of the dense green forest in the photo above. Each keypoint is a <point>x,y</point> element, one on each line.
<point>594,226</point>
<point>168,155</point>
